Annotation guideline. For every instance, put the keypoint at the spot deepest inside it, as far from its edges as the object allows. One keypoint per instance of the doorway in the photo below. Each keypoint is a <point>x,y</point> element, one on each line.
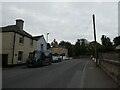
<point>4,60</point>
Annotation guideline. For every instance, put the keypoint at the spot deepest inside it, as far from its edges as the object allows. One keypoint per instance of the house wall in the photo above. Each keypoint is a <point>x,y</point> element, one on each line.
<point>25,47</point>
<point>41,41</point>
<point>7,45</point>
<point>8,39</point>
<point>59,51</point>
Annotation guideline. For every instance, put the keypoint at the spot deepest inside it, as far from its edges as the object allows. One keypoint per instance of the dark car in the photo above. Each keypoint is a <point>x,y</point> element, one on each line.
<point>39,58</point>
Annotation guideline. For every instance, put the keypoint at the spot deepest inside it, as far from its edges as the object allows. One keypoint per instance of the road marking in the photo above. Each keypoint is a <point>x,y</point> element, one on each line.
<point>83,75</point>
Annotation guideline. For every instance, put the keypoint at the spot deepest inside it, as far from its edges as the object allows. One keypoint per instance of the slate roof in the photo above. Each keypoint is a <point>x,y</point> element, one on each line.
<point>13,28</point>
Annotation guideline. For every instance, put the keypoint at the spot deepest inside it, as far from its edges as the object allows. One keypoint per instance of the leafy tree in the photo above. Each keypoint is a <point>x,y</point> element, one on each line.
<point>81,47</point>
<point>92,47</point>
<point>54,43</point>
<point>116,41</point>
<point>77,48</point>
<point>67,45</point>
<point>106,42</point>
<point>83,42</point>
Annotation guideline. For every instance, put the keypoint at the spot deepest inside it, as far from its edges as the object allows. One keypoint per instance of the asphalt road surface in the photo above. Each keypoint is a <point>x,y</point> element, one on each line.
<point>77,73</point>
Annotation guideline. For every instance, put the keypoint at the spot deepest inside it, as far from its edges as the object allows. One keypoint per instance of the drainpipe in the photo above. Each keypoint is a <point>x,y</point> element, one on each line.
<point>13,47</point>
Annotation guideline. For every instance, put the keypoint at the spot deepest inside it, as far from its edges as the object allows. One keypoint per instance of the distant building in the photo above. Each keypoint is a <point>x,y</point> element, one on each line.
<point>62,51</point>
<point>16,44</point>
<point>41,43</point>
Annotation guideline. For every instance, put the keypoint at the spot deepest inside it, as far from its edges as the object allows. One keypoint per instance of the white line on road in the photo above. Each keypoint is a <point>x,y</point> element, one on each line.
<point>83,75</point>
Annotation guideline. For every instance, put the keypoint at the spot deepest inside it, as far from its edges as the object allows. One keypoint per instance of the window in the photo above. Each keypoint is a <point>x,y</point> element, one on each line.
<point>31,42</point>
<point>21,39</point>
<point>42,46</point>
<point>20,55</point>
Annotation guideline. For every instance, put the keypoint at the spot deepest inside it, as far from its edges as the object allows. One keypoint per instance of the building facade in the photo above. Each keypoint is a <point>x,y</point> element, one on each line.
<point>16,44</point>
<point>41,43</point>
<point>59,51</point>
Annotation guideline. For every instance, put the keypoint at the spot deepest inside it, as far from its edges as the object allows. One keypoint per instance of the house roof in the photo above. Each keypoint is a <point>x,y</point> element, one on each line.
<point>13,28</point>
<point>59,47</point>
<point>37,37</point>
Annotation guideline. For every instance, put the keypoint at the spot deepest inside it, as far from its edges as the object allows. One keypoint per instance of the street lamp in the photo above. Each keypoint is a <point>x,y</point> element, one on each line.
<point>47,37</point>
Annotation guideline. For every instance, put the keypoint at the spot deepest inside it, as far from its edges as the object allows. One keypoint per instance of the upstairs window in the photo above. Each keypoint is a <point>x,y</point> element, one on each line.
<point>42,46</point>
<point>21,39</point>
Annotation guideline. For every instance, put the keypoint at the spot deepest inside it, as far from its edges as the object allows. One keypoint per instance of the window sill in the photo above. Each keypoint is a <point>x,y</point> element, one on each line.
<point>22,44</point>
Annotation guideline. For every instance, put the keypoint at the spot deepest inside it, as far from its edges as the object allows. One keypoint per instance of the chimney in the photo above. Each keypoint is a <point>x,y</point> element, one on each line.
<point>19,23</point>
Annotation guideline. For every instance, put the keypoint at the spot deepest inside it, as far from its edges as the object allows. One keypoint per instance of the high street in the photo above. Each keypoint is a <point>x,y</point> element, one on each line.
<point>76,73</point>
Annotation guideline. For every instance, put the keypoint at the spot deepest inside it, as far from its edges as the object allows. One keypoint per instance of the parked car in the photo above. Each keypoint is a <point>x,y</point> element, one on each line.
<point>56,59</point>
<point>38,58</point>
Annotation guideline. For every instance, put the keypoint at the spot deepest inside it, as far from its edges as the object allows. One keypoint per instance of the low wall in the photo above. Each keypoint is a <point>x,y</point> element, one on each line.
<point>111,67</point>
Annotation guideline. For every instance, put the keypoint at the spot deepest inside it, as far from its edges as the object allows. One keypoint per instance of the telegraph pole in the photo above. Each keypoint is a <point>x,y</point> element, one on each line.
<point>95,39</point>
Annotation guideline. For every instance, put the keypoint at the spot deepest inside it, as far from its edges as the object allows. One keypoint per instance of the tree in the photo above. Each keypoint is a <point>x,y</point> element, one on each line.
<point>83,41</point>
<point>81,47</point>
<point>67,45</point>
<point>77,48</point>
<point>106,42</point>
<point>92,47</point>
<point>54,43</point>
<point>116,41</point>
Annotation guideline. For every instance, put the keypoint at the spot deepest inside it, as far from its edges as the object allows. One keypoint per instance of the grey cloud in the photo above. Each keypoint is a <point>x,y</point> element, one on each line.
<point>64,20</point>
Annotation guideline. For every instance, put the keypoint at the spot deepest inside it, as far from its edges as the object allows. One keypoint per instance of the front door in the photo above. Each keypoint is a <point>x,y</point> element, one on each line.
<point>4,60</point>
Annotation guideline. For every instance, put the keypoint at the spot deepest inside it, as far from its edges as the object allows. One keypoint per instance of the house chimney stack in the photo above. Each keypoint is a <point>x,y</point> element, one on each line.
<point>19,23</point>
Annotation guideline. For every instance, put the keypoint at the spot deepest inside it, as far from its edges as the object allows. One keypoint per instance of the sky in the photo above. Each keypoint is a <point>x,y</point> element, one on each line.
<point>66,21</point>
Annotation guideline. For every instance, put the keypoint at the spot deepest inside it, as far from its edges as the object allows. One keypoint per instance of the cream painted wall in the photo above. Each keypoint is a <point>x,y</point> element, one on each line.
<point>7,48</point>
<point>25,47</point>
<point>59,51</point>
<point>7,45</point>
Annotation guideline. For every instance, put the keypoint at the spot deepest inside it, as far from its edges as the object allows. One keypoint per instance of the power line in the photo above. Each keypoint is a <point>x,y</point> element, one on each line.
<point>88,24</point>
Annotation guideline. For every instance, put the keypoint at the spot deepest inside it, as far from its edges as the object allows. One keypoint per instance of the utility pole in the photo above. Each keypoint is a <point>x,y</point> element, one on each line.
<point>95,39</point>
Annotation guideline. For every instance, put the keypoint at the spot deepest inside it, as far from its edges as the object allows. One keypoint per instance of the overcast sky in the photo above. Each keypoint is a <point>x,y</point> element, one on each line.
<point>66,21</point>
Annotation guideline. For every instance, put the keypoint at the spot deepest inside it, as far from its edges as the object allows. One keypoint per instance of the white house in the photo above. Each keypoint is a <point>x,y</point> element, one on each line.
<point>41,43</point>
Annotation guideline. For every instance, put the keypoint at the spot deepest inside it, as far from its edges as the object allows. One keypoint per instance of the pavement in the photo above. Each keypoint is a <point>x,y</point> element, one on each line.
<point>76,73</point>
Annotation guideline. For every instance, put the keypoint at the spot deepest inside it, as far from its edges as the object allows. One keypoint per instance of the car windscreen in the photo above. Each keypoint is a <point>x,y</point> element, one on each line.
<point>37,55</point>
<point>31,55</point>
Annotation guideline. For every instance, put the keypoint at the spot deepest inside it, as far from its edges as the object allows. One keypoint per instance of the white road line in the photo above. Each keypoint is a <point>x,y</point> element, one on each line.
<point>83,75</point>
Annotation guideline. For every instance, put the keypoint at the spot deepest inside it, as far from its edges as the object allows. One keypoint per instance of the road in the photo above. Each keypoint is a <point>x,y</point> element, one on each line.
<point>76,73</point>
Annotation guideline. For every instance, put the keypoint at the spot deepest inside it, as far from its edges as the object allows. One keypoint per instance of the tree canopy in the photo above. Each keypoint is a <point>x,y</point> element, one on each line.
<point>116,41</point>
<point>67,45</point>
<point>81,47</point>
<point>106,42</point>
<point>54,43</point>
